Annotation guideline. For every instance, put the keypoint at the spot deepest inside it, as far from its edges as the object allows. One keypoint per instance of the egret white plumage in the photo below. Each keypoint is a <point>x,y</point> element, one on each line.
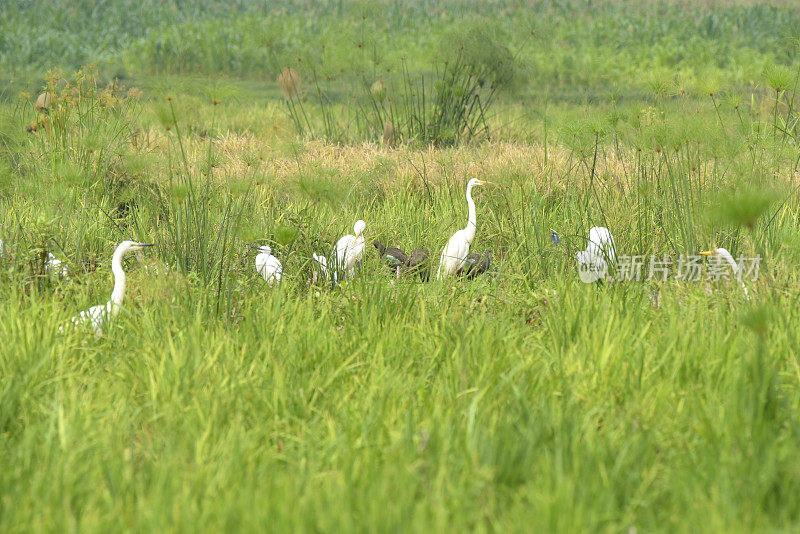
<point>321,266</point>
<point>350,248</point>
<point>54,265</point>
<point>723,254</point>
<point>97,316</point>
<point>268,265</point>
<point>593,261</point>
<point>457,248</point>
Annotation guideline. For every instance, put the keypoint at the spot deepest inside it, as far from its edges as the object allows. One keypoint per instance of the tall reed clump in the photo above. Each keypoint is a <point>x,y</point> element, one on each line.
<point>445,108</point>
<point>201,217</point>
<point>67,151</point>
<point>86,126</point>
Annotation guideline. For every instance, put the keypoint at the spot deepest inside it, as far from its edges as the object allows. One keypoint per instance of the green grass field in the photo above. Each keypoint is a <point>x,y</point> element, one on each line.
<point>524,400</point>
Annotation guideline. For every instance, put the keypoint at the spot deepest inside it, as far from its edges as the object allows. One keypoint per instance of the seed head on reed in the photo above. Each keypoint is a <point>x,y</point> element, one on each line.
<point>43,102</point>
<point>378,90</point>
<point>778,77</point>
<point>289,82</point>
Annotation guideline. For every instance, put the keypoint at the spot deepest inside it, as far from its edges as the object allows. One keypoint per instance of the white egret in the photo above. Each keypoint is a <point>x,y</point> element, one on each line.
<point>322,266</point>
<point>592,262</point>
<point>268,265</point>
<point>54,265</point>
<point>457,248</point>
<point>723,254</point>
<point>97,316</point>
<point>350,248</point>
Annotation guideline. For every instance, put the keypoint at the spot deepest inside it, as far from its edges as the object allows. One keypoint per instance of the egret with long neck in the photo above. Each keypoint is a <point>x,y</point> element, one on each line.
<point>457,248</point>
<point>97,316</point>
<point>737,269</point>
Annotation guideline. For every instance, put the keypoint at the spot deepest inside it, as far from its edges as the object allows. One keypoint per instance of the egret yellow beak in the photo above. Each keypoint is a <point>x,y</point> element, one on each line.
<point>708,252</point>
<point>484,182</point>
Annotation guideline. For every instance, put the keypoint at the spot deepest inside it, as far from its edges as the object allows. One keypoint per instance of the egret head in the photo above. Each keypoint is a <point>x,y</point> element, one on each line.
<point>128,246</point>
<point>265,249</point>
<point>722,252</point>
<point>476,181</point>
<point>359,227</point>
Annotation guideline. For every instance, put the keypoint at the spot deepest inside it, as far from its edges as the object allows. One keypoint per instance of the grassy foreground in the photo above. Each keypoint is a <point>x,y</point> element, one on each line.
<point>524,400</point>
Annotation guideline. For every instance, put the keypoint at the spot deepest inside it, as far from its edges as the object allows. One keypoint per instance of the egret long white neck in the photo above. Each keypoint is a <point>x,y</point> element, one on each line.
<point>472,222</point>
<point>727,257</point>
<point>119,280</point>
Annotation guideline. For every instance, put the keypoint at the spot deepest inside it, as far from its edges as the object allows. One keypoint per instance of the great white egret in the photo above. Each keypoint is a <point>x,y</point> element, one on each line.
<point>418,263</point>
<point>475,264</point>
<point>592,262</point>
<point>350,248</point>
<point>722,253</point>
<point>268,265</point>
<point>457,248</point>
<point>394,257</point>
<point>97,316</point>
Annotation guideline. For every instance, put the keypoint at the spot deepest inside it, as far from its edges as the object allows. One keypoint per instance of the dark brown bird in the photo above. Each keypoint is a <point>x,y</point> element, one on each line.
<point>394,257</point>
<point>475,264</point>
<point>418,263</point>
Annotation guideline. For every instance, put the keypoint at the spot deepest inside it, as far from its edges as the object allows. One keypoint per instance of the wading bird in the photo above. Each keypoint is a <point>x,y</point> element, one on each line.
<point>592,262</point>
<point>97,316</point>
<point>457,248</point>
<point>322,267</point>
<point>268,265</point>
<point>394,257</point>
<point>723,254</point>
<point>350,248</point>
<point>475,264</point>
<point>54,265</point>
<point>418,263</point>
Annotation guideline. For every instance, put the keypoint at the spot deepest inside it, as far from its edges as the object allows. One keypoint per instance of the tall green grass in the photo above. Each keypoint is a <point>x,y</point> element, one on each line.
<point>523,400</point>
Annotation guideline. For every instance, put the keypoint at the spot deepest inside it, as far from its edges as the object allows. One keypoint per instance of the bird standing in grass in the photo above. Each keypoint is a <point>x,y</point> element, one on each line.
<point>418,263</point>
<point>349,249</point>
<point>97,316</point>
<point>723,254</point>
<point>593,261</point>
<point>54,265</point>
<point>457,248</point>
<point>321,266</point>
<point>394,257</point>
<point>268,265</point>
<point>475,264</point>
